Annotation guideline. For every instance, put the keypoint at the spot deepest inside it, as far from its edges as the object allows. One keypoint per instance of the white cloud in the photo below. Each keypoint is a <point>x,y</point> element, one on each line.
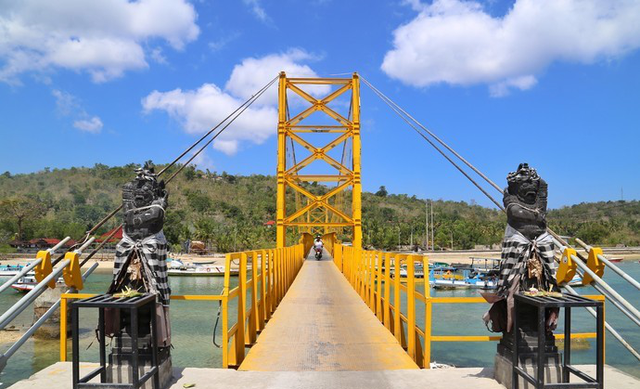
<point>105,38</point>
<point>70,106</point>
<point>198,110</point>
<point>257,10</point>
<point>457,42</point>
<point>253,73</point>
<point>93,125</point>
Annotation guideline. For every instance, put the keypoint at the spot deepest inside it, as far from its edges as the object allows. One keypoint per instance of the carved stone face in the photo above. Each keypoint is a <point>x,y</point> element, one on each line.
<point>524,183</point>
<point>142,190</point>
<point>144,194</point>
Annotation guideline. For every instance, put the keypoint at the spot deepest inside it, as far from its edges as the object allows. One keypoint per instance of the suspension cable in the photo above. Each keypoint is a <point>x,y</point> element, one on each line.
<point>237,112</point>
<point>408,117</point>
<point>399,112</point>
<point>164,169</point>
<point>391,102</point>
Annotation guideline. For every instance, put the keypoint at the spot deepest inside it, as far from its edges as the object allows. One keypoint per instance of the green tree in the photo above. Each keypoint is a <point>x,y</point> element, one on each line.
<point>382,192</point>
<point>21,211</point>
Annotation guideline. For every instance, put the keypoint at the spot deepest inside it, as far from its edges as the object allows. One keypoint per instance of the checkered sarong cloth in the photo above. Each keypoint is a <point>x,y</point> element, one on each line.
<point>153,251</point>
<point>516,249</point>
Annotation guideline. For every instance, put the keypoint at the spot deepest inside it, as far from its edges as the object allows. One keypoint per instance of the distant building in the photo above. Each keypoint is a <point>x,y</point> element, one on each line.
<point>37,244</point>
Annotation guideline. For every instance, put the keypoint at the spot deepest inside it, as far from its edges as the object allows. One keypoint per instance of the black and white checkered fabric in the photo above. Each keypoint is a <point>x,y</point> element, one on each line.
<point>516,249</point>
<point>152,250</point>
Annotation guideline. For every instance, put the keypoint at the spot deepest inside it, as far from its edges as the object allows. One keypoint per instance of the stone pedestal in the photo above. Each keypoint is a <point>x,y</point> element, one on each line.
<point>119,368</point>
<point>528,345</point>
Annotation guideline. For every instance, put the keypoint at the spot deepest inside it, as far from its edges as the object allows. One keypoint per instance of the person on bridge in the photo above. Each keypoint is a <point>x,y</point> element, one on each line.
<point>318,247</point>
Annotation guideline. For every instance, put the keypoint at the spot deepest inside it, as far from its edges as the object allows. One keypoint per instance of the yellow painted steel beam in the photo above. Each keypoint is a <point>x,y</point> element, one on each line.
<point>306,224</point>
<point>282,162</point>
<point>302,93</point>
<point>357,184</point>
<point>319,81</point>
<point>319,178</point>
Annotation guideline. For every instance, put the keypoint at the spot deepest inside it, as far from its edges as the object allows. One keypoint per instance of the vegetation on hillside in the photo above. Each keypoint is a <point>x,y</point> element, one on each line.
<point>229,211</point>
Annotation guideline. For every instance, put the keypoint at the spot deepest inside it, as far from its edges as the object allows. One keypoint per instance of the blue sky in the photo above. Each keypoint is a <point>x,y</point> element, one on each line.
<point>555,84</point>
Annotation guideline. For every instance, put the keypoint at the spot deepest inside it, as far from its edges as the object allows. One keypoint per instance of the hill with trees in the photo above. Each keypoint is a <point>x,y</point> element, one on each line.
<point>229,212</point>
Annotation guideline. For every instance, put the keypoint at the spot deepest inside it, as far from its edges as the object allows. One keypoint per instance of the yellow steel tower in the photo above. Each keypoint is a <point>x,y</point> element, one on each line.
<point>324,209</point>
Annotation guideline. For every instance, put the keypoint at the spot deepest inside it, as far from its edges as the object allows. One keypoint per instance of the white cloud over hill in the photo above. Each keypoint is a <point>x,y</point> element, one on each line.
<point>458,42</point>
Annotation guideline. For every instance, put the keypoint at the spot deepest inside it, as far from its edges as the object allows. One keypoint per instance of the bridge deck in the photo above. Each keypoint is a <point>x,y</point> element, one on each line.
<point>322,325</point>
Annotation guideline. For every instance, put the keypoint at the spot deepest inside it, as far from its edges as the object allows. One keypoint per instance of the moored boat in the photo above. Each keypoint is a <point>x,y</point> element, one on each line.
<point>179,268</point>
<point>10,270</point>
<point>28,283</point>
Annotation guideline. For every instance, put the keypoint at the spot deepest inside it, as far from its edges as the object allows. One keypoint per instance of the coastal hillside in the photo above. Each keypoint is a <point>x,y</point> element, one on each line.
<point>231,212</point>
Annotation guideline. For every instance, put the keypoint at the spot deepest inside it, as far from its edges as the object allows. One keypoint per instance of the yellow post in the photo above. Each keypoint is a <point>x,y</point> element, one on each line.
<point>225,332</point>
<point>427,315</point>
<point>254,319</point>
<point>282,161</point>
<point>63,329</point>
<point>372,281</point>
<point>242,312</point>
<point>411,308</point>
<point>379,259</point>
<point>397,325</point>
<point>387,291</point>
<point>225,311</point>
<point>272,279</point>
<point>263,289</point>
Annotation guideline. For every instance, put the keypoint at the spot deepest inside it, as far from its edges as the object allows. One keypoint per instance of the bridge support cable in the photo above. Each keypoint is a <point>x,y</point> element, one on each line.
<point>16,346</point>
<point>613,267</point>
<point>30,266</point>
<point>605,289</point>
<point>608,326</point>
<point>63,263</point>
<point>580,260</point>
<point>231,118</point>
<point>415,125</point>
<point>33,294</point>
<point>228,120</point>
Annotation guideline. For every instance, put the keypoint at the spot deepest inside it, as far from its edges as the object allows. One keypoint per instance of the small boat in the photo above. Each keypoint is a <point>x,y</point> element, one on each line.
<point>199,271</point>
<point>450,278</point>
<point>28,283</point>
<point>615,259</point>
<point>179,268</point>
<point>10,270</point>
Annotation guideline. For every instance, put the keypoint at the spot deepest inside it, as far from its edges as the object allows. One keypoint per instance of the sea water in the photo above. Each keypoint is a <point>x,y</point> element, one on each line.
<point>193,324</point>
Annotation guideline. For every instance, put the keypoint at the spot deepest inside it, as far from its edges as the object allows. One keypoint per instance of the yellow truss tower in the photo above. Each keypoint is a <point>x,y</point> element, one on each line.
<point>324,210</point>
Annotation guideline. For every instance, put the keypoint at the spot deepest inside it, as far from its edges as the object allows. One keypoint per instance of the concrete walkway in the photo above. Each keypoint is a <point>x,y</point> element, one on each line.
<point>322,325</point>
<point>58,376</point>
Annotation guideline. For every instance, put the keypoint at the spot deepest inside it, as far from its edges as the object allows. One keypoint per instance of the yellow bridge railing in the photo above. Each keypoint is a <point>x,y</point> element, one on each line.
<point>373,275</point>
<point>260,289</point>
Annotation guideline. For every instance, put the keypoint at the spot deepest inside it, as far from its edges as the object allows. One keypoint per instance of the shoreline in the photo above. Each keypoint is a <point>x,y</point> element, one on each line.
<point>461,256</point>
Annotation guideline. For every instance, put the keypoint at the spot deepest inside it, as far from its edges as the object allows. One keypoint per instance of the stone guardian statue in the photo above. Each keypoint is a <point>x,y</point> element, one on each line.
<point>140,265</point>
<point>527,247</point>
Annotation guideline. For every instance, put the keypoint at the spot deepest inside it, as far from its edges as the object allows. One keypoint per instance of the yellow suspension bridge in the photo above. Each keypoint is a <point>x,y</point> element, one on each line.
<point>348,320</point>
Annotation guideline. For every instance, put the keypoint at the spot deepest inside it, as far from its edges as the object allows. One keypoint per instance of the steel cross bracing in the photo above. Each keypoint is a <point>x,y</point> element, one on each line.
<point>319,213</point>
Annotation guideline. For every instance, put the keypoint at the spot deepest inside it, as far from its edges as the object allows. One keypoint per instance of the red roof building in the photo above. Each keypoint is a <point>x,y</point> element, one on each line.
<point>116,237</point>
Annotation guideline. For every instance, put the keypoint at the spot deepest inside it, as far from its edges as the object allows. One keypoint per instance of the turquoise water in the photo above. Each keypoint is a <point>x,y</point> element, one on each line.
<point>192,326</point>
